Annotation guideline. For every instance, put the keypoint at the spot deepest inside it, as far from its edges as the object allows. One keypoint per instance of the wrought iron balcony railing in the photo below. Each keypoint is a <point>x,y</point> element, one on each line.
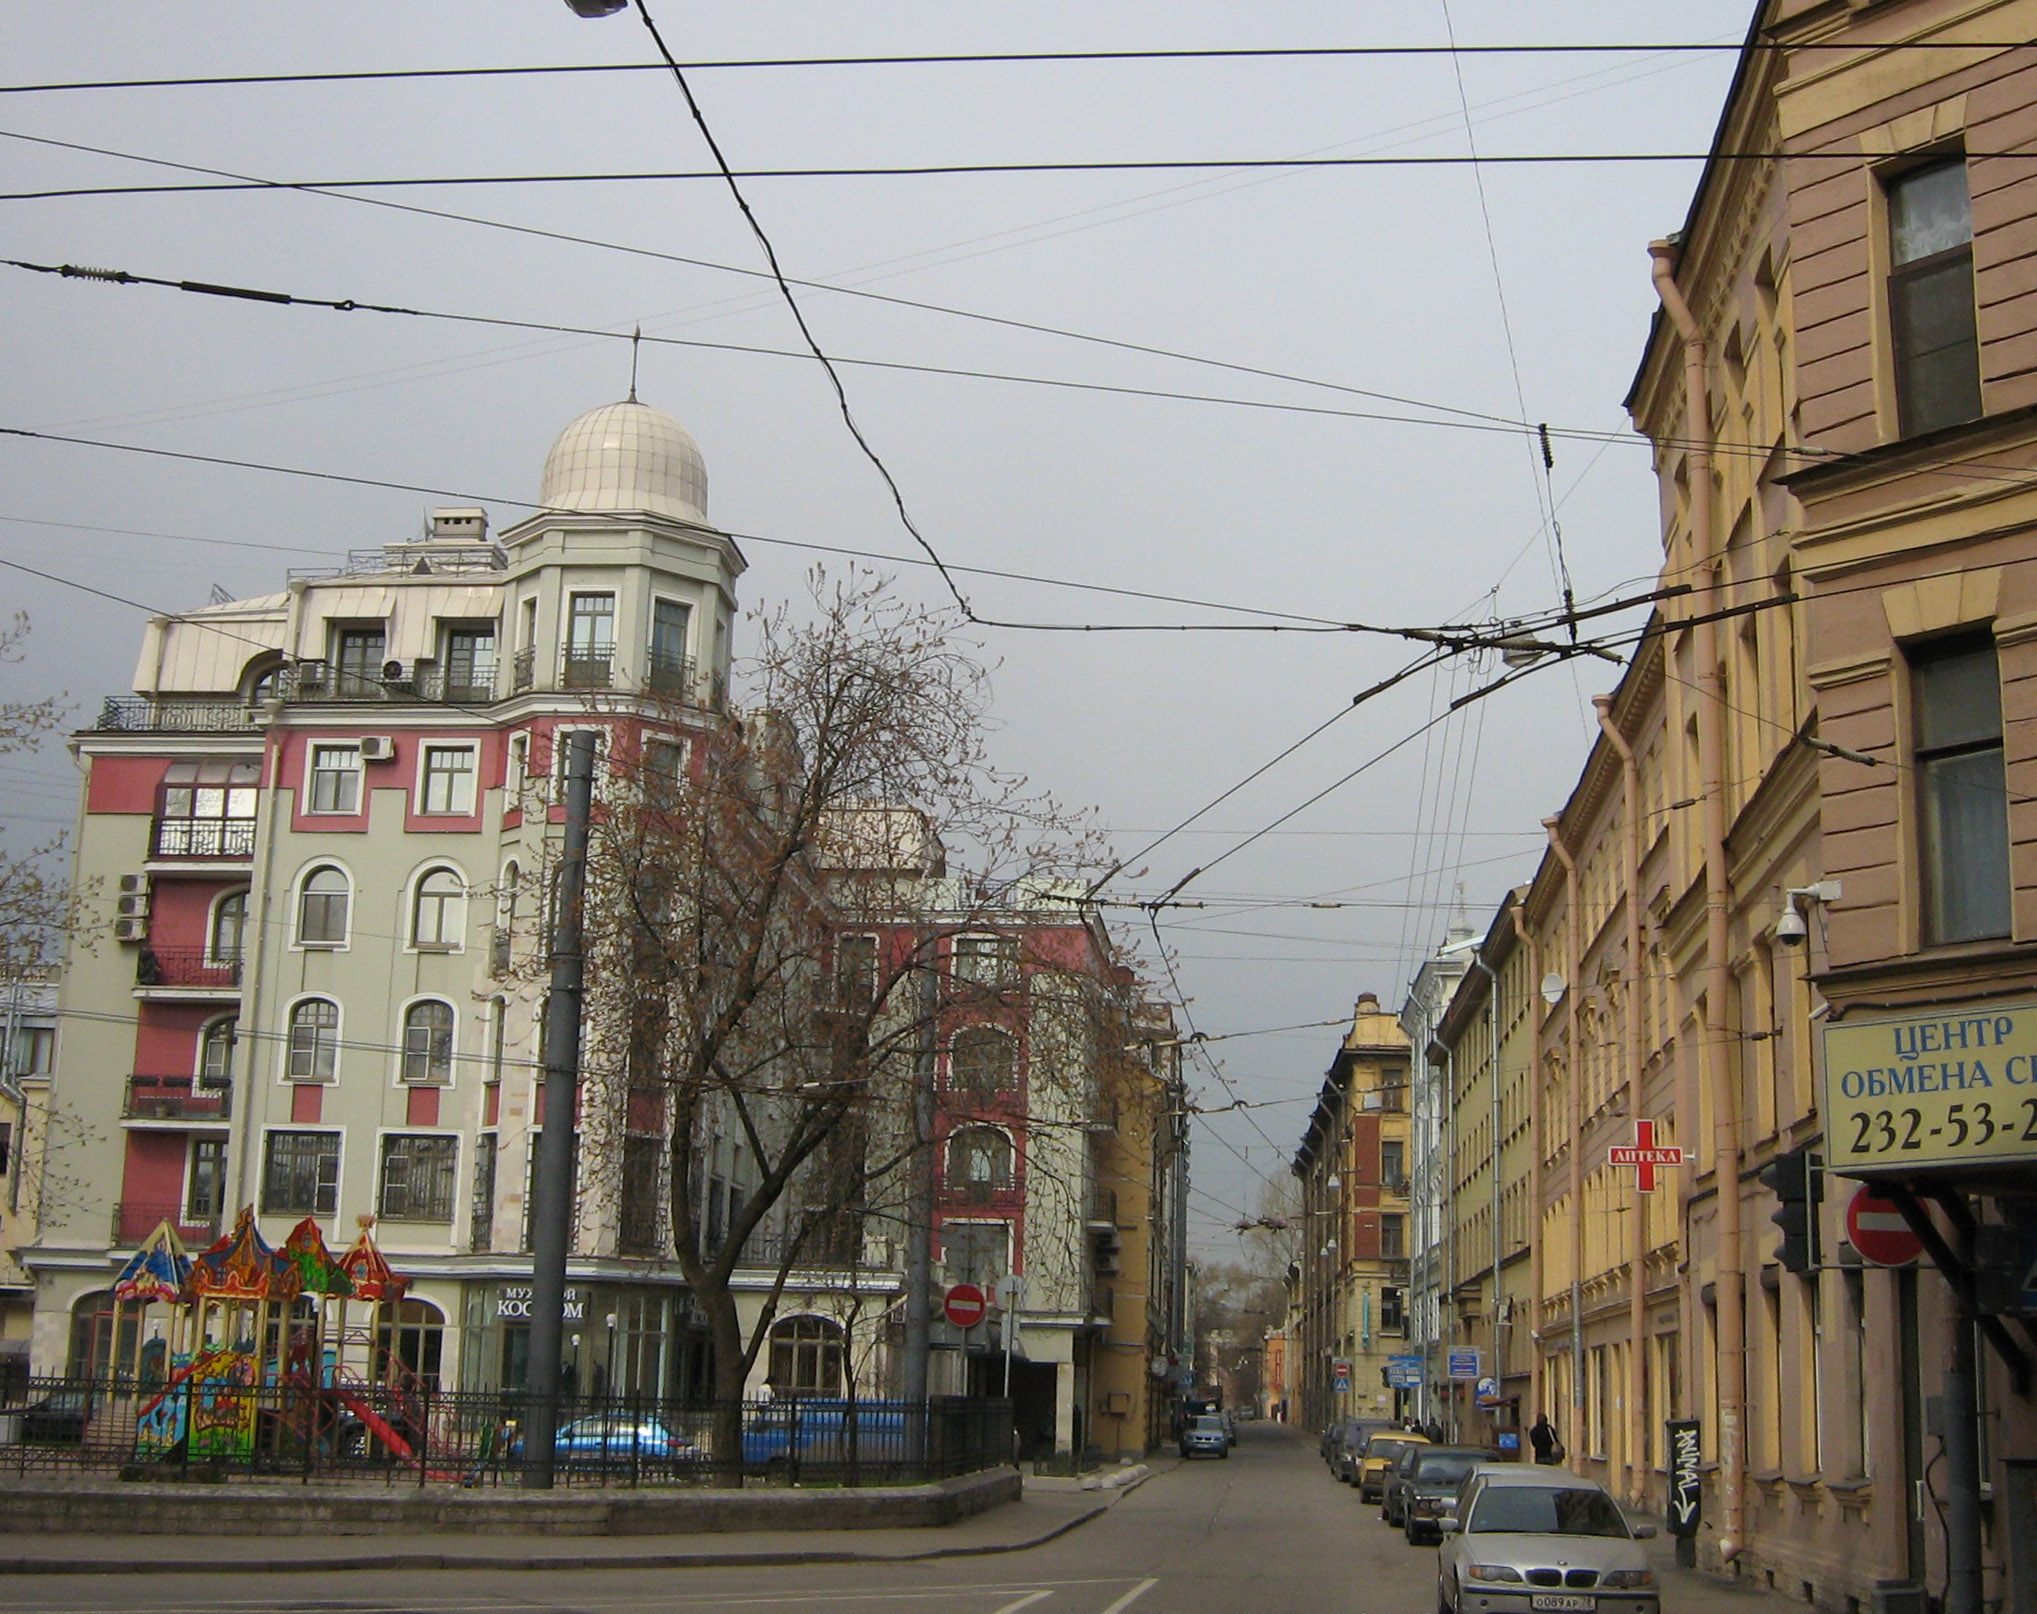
<point>204,837</point>
<point>178,1098</point>
<point>135,1220</point>
<point>188,968</point>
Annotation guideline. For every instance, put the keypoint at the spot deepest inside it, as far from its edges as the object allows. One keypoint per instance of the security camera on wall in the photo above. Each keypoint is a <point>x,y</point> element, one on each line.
<point>1790,929</point>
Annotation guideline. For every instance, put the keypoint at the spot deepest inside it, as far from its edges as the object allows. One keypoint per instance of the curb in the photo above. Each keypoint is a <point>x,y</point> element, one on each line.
<point>581,1561</point>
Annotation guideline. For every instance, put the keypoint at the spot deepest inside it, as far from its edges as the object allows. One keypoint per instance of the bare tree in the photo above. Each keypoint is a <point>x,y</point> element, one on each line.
<point>34,899</point>
<point>773,917</point>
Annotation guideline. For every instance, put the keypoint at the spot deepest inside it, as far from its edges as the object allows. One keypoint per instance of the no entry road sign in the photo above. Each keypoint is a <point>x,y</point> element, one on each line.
<point>1879,1232</point>
<point>965,1305</point>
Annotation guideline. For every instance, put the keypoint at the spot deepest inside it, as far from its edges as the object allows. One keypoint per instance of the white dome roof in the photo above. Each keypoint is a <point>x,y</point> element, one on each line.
<point>626,456</point>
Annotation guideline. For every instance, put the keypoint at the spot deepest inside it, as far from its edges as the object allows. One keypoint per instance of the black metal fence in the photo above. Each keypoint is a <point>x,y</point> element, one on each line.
<point>350,1431</point>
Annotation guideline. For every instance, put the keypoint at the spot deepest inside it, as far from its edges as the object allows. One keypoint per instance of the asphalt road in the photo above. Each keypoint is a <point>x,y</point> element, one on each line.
<point>1264,1531</point>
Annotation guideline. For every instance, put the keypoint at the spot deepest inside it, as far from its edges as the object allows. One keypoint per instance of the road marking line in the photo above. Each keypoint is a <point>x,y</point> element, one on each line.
<point>1132,1596</point>
<point>1026,1601</point>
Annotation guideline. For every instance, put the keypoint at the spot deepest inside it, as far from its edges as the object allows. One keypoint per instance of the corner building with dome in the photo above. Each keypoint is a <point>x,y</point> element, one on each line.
<point>306,970</point>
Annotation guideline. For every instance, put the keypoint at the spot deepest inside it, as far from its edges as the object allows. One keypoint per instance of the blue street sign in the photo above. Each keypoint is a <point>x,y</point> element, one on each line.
<point>1404,1372</point>
<point>1464,1365</point>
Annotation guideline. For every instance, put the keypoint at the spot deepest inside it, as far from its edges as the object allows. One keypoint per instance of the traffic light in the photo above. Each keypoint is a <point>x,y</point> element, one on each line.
<point>1797,1182</point>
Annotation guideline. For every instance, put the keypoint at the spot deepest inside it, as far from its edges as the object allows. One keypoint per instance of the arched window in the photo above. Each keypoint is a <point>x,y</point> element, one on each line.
<point>979,1157</point>
<point>503,944</point>
<point>314,1041</point>
<point>428,1042</point>
<point>263,679</point>
<point>417,1340</point>
<point>215,1053</point>
<point>438,916</point>
<point>229,930</point>
<point>322,908</point>
<point>806,1357</point>
<point>982,1064</point>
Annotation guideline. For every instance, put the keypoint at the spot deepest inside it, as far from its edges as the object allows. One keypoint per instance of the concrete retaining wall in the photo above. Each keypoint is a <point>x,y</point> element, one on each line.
<point>35,1504</point>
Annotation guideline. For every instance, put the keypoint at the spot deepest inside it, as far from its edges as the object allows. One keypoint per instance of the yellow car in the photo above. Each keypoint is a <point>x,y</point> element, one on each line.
<point>1382,1451</point>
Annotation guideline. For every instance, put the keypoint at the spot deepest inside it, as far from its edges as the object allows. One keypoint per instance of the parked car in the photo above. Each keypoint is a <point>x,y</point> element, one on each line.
<point>58,1418</point>
<point>1538,1542</point>
<point>1350,1450</point>
<point>1382,1451</point>
<point>1206,1435</point>
<point>618,1440</point>
<point>1333,1436</point>
<point>1425,1487</point>
<point>824,1430</point>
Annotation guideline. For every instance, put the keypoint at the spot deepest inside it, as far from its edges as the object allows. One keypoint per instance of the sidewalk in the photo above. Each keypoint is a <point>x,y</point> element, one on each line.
<point>1038,1517</point>
<point>1692,1591</point>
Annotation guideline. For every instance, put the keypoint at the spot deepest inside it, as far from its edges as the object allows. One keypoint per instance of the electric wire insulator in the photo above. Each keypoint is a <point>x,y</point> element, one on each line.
<point>79,271</point>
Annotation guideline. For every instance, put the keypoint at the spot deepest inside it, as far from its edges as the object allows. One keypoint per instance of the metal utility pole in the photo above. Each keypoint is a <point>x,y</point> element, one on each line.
<point>919,1201</point>
<point>552,1214</point>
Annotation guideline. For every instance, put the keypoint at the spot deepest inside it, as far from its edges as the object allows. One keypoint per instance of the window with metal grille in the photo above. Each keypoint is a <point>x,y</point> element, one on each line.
<point>208,809</point>
<point>1962,789</point>
<point>418,1173</point>
<point>428,1042</point>
<point>481,1213</point>
<point>300,1174</point>
<point>314,1041</point>
<point>1930,298</point>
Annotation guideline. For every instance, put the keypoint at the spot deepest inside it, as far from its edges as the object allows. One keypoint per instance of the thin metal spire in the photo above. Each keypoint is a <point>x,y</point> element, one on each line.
<point>636,342</point>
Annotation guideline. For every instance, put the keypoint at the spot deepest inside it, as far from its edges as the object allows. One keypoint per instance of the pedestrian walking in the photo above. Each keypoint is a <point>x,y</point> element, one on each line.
<point>1542,1436</point>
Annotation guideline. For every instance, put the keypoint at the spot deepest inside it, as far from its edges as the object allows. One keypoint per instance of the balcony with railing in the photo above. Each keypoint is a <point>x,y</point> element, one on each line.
<point>142,714</point>
<point>187,969</point>
<point>177,1098</point>
<point>209,839</point>
<point>464,682</point>
<point>134,1221</point>
<point>640,1229</point>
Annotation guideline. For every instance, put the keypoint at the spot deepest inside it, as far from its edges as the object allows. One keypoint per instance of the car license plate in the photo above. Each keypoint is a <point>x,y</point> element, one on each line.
<point>1563,1602</point>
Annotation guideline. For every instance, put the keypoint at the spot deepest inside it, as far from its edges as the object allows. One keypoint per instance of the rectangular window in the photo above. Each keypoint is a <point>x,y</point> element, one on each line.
<point>990,962</point>
<point>205,1196</point>
<point>976,1252</point>
<point>300,1176</point>
<point>481,1211</point>
<point>664,769</point>
<point>6,1146</point>
<point>1930,298</point>
<point>448,779</point>
<point>856,972</point>
<point>640,1226</point>
<point>590,641</point>
<point>1393,1244</point>
<point>208,809</point>
<point>470,663</point>
<point>671,668</point>
<point>417,1177</point>
<point>1392,1312</point>
<point>358,661</point>
<point>335,779</point>
<point>1392,1167</point>
<point>1956,697</point>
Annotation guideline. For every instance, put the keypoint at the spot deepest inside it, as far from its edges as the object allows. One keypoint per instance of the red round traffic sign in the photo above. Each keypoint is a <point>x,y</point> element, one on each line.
<point>1879,1232</point>
<point>965,1305</point>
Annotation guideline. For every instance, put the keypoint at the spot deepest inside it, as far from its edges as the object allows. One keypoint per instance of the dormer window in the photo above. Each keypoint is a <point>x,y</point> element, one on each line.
<point>358,655</point>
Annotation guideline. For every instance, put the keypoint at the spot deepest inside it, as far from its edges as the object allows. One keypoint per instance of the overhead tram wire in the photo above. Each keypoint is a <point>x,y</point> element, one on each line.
<point>988,58</point>
<point>1448,639</point>
<point>1120,165</point>
<point>799,316</point>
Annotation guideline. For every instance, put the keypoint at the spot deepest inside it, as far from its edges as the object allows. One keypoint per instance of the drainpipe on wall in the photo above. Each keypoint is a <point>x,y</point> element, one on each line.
<point>1716,1055</point>
<point>1575,1088</point>
<point>1630,1028</point>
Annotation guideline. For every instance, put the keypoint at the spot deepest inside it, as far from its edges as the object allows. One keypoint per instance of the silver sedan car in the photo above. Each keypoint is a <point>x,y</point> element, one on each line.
<point>1528,1541</point>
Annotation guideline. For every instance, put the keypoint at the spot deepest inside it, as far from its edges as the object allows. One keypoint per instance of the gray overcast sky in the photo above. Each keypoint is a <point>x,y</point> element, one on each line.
<point>1377,278</point>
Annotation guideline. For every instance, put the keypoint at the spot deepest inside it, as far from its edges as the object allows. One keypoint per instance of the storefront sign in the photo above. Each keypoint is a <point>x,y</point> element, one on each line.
<point>1463,1365</point>
<point>1686,1482</point>
<point>514,1303</point>
<point>1948,1088</point>
<point>1404,1372</point>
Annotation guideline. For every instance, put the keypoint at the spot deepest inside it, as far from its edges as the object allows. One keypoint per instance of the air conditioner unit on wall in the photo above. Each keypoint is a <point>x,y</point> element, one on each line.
<point>131,930</point>
<point>378,748</point>
<point>132,905</point>
<point>131,883</point>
